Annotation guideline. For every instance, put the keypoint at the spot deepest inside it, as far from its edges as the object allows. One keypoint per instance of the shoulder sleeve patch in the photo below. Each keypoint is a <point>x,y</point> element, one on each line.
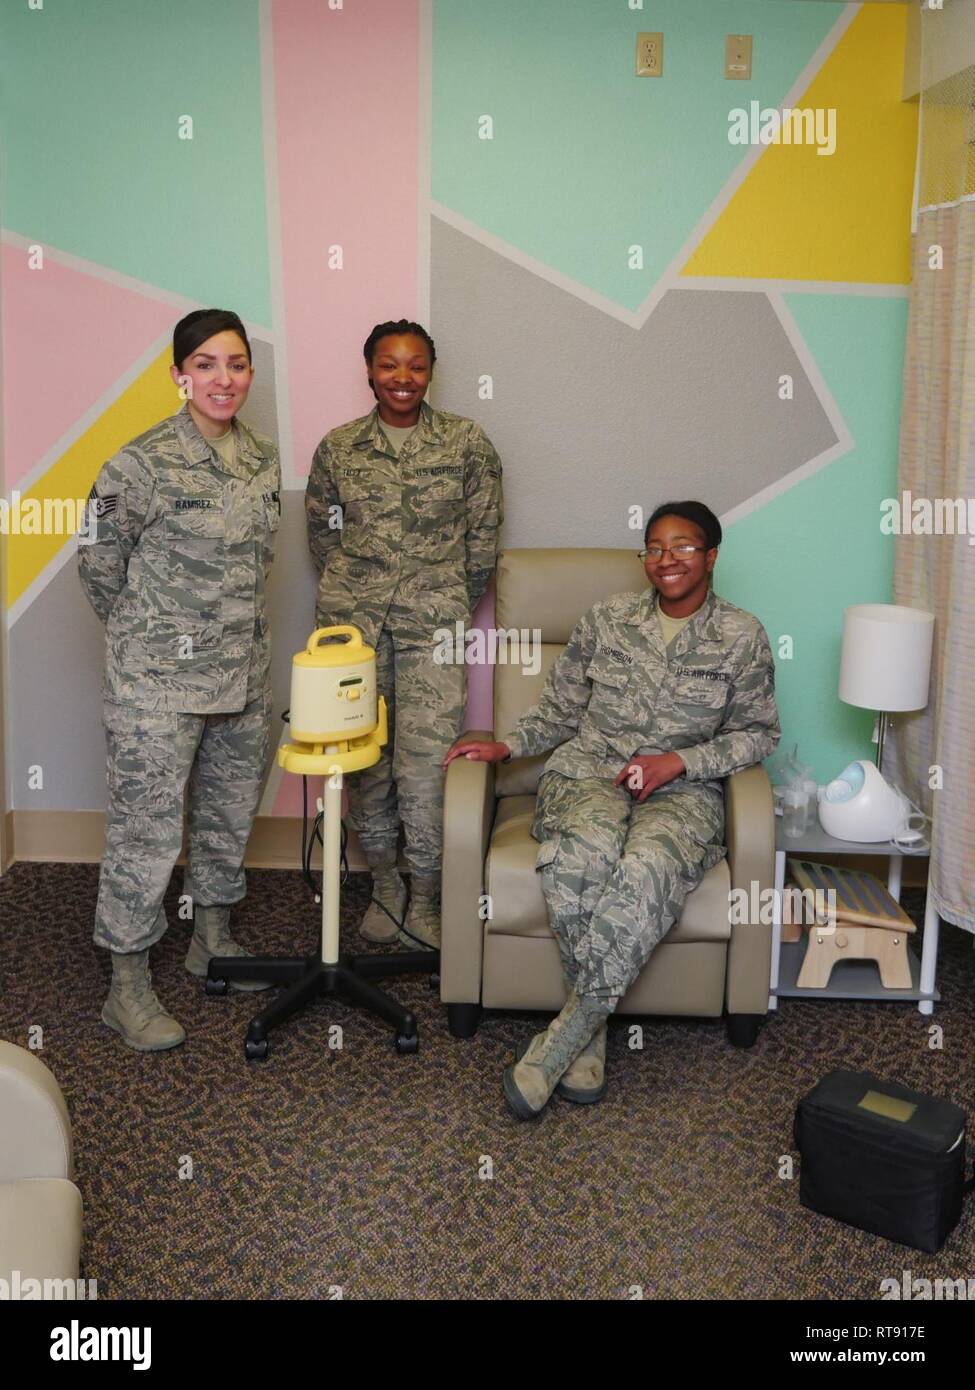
<point>103,505</point>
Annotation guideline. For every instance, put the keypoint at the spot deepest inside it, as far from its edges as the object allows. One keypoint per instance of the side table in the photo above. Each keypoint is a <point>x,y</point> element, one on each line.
<point>850,979</point>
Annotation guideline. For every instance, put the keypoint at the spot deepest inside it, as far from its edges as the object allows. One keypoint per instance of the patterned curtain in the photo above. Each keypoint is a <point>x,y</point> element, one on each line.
<point>933,752</point>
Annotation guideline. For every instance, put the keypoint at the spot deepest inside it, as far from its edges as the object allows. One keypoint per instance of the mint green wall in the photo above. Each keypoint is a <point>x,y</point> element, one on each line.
<point>809,553</point>
<point>92,160</point>
<point>581,150</point>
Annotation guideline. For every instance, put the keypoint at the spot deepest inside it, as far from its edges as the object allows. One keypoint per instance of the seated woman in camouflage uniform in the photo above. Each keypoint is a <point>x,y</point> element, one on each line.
<point>184,524</point>
<point>656,697</point>
<point>404,508</point>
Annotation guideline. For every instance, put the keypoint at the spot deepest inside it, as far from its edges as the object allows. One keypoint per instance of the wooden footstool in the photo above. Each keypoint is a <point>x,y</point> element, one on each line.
<point>870,925</point>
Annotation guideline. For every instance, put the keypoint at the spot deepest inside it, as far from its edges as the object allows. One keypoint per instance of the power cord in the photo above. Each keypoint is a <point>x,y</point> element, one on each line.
<point>912,839</point>
<point>308,844</point>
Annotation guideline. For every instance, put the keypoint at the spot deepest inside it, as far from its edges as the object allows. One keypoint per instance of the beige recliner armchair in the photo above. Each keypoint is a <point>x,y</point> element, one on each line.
<point>40,1207</point>
<point>509,960</point>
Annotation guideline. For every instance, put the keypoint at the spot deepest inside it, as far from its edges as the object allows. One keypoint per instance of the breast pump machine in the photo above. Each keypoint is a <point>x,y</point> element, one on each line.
<point>338,726</point>
<point>860,804</point>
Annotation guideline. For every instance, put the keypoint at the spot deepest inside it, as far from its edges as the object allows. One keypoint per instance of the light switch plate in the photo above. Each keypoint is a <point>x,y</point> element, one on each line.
<point>738,57</point>
<point>649,55</point>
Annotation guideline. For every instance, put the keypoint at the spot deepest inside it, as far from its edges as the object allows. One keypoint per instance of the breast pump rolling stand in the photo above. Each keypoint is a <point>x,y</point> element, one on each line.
<point>339,726</point>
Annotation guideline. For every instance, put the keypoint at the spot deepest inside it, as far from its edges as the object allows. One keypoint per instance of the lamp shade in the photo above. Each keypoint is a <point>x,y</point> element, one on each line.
<point>886,659</point>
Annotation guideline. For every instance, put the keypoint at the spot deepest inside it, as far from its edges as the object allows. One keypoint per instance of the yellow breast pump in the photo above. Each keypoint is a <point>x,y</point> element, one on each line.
<point>338,719</point>
<point>338,725</point>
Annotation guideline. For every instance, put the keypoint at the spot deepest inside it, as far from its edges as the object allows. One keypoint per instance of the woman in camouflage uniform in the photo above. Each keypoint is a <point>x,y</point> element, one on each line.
<point>404,508</point>
<point>183,531</point>
<point>656,697</point>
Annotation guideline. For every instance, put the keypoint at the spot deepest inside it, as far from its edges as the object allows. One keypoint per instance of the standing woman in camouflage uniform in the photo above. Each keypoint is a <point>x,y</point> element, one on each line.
<point>656,697</point>
<point>404,508</point>
<point>186,516</point>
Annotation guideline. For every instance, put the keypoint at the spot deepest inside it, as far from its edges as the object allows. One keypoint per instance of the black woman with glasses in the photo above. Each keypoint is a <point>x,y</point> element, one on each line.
<point>656,698</point>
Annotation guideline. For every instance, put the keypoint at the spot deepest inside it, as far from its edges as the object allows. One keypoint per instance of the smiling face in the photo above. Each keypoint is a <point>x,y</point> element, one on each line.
<point>400,372</point>
<point>217,377</point>
<point>680,580</point>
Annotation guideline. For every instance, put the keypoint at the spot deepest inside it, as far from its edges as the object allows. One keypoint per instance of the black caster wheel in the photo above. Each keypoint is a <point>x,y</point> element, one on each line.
<point>216,986</point>
<point>433,981</point>
<point>256,1051</point>
<point>405,1044</point>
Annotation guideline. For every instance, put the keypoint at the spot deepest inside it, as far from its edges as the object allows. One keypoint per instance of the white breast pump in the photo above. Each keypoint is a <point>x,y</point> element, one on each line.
<point>860,804</point>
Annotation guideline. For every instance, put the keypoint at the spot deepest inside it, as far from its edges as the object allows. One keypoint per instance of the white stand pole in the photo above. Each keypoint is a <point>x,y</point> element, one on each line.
<point>929,953</point>
<point>331,866</point>
<point>895,865</point>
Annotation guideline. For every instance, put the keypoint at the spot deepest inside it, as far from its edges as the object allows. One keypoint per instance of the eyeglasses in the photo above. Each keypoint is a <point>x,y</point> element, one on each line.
<point>679,552</point>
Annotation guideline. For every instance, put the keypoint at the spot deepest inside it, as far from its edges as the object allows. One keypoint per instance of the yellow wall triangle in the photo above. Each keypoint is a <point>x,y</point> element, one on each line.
<point>150,398</point>
<point>800,215</point>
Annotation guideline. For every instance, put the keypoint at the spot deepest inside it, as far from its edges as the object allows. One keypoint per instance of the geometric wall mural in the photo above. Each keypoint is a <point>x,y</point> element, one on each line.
<point>191,157</point>
<point>630,283</point>
<point>615,378</point>
<point>695,397</point>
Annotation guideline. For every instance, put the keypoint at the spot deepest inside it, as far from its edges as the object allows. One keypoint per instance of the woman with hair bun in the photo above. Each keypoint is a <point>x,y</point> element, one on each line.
<point>182,530</point>
<point>404,508</point>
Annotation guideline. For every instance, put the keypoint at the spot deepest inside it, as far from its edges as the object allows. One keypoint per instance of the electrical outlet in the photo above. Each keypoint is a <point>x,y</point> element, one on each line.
<point>649,55</point>
<point>738,57</point>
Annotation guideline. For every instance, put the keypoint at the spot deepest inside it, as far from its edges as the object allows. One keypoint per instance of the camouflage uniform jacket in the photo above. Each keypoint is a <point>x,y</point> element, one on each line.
<point>421,528</point>
<point>616,692</point>
<point>182,547</point>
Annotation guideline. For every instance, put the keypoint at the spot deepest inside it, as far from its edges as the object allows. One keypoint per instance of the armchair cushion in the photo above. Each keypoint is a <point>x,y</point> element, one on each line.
<point>35,1131</point>
<point>40,1229</point>
<point>518,908</point>
<point>40,1207</point>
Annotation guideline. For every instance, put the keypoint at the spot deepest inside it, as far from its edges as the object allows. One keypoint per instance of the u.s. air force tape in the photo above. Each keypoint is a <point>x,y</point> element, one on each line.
<point>103,506</point>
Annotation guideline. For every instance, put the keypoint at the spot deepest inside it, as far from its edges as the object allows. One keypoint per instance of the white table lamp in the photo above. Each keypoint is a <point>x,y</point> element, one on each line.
<point>885,663</point>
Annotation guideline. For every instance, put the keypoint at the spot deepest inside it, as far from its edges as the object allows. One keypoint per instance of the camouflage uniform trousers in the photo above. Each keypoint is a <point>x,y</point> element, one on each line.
<point>152,756</point>
<point>615,872</point>
<point>425,705</point>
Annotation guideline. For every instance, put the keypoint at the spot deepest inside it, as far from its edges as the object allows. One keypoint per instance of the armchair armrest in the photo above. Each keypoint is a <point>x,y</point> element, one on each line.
<point>35,1129</point>
<point>750,837</point>
<point>468,817</point>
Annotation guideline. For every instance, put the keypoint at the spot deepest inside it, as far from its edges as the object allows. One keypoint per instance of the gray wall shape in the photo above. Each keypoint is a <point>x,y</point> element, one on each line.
<point>591,416</point>
<point>56,654</point>
<point>261,410</point>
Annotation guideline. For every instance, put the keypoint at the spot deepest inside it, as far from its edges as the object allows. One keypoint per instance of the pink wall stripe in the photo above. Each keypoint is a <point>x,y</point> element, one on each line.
<point>347,93</point>
<point>67,337</point>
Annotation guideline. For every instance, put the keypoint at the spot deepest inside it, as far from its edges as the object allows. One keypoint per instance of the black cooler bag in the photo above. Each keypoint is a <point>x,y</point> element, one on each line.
<point>882,1157</point>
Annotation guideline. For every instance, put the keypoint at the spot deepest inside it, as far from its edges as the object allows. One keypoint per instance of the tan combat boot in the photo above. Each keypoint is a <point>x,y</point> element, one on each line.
<point>528,1085</point>
<point>132,1008</point>
<point>211,937</point>
<point>423,919</point>
<point>384,915</point>
<point>585,1081</point>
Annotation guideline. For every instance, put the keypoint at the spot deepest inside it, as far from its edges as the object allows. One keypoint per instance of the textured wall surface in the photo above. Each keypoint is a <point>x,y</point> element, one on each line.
<point>615,379</point>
